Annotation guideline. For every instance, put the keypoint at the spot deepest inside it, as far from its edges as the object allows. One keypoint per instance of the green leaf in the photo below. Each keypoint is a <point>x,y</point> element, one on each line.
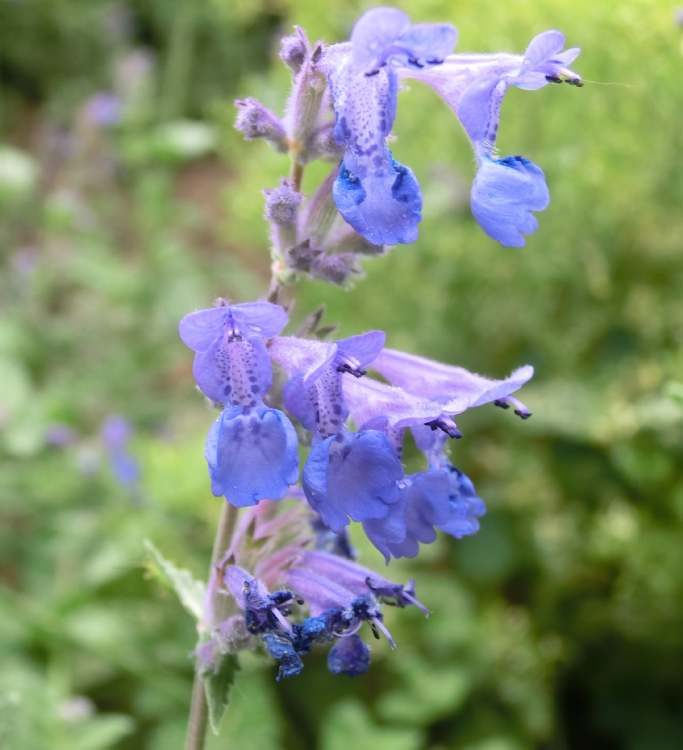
<point>349,724</point>
<point>102,732</point>
<point>217,685</point>
<point>190,591</point>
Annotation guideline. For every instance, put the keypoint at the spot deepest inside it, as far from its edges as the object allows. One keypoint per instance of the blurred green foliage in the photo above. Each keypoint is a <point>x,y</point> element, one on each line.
<point>561,624</point>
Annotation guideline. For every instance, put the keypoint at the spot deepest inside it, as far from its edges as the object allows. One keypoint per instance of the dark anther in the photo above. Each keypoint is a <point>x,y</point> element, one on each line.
<point>280,597</point>
<point>300,601</point>
<point>523,414</point>
<point>502,404</point>
<point>357,373</point>
<point>553,79</point>
<point>447,426</point>
<point>374,630</point>
<point>575,82</point>
<point>372,73</point>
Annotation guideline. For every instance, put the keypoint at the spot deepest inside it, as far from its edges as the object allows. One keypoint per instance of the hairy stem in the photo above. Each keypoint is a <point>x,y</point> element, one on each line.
<point>296,174</point>
<point>197,721</point>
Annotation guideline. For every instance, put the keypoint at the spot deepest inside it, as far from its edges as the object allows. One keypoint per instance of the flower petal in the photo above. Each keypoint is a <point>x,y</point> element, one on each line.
<point>384,205</point>
<point>355,477</point>
<point>350,656</point>
<point>454,388</point>
<point>504,193</point>
<point>374,33</point>
<point>198,330</point>
<point>237,372</point>
<point>252,456</point>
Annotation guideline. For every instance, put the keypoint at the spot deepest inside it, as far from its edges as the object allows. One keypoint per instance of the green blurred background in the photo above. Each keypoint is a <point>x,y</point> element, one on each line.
<point>560,625</point>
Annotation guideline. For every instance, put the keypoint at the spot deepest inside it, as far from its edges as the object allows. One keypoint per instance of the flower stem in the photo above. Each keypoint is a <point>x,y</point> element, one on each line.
<point>197,721</point>
<point>296,174</point>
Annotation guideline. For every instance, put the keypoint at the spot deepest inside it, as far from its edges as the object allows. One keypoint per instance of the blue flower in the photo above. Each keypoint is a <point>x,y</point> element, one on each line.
<point>455,388</point>
<point>505,191</point>
<point>349,656</point>
<point>116,433</point>
<point>354,477</point>
<point>252,455</point>
<point>347,475</point>
<point>380,197</point>
<point>425,397</point>
<point>251,450</point>
<point>340,596</point>
<point>377,195</point>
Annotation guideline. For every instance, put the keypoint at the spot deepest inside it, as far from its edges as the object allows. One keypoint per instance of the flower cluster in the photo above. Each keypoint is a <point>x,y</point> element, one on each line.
<point>300,595</point>
<point>289,571</point>
<point>343,108</point>
<point>340,596</point>
<point>355,425</point>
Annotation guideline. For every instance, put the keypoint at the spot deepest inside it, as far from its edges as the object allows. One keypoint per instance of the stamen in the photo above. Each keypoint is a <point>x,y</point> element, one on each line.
<point>281,619</point>
<point>376,622</point>
<point>415,601</point>
<point>447,425</point>
<point>357,372</point>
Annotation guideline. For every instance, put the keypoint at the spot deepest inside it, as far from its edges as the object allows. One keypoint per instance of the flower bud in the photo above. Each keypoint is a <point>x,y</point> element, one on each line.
<point>337,269</point>
<point>254,120</point>
<point>322,144</point>
<point>305,101</point>
<point>302,256</point>
<point>282,203</point>
<point>293,49</point>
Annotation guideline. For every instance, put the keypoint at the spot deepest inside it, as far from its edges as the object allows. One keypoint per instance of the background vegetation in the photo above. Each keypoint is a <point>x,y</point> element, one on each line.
<point>561,624</point>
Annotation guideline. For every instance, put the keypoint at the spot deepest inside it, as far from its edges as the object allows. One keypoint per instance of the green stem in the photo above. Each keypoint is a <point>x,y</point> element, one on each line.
<point>197,721</point>
<point>199,715</point>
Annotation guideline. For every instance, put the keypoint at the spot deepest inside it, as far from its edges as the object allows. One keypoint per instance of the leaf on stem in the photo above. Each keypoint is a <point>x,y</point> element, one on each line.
<point>189,590</point>
<point>217,685</point>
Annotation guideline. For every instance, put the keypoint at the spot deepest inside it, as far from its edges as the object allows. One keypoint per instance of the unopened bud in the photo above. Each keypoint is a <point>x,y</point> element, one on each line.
<point>337,269</point>
<point>293,49</point>
<point>302,257</point>
<point>304,103</point>
<point>322,144</point>
<point>282,203</point>
<point>254,120</point>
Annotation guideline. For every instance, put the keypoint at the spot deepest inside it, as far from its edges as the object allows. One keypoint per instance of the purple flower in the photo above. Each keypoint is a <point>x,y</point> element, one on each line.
<point>340,596</point>
<point>331,584</point>
<point>440,499</point>
<point>103,109</point>
<point>314,392</point>
<point>377,195</point>
<point>358,475</point>
<point>349,656</point>
<point>252,455</point>
<point>347,475</point>
<point>116,433</point>
<point>60,435</point>
<point>251,450</point>
<point>505,191</point>
<point>426,397</point>
<point>353,476</point>
<point>380,197</point>
<point>454,387</point>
